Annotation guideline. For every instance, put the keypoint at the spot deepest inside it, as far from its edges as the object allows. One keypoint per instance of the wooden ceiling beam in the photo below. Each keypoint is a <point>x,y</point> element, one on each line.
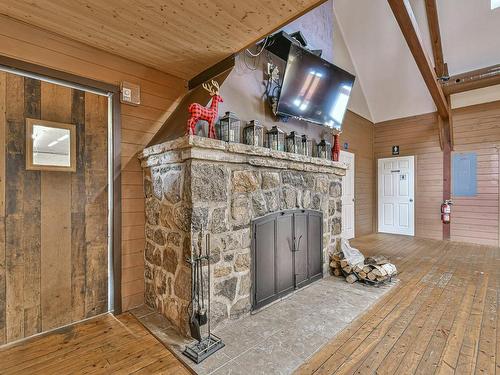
<point>475,79</point>
<point>437,48</point>
<point>408,24</point>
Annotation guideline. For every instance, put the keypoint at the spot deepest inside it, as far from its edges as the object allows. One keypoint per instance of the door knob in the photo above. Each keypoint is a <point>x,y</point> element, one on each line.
<point>411,199</point>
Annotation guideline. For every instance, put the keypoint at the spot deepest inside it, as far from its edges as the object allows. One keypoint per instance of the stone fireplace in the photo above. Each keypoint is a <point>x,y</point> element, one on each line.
<point>195,186</point>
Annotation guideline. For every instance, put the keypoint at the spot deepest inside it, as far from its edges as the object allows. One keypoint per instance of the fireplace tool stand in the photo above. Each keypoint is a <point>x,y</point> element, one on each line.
<point>207,344</point>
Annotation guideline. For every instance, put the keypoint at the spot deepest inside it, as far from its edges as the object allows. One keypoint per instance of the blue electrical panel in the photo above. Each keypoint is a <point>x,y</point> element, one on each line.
<point>464,174</point>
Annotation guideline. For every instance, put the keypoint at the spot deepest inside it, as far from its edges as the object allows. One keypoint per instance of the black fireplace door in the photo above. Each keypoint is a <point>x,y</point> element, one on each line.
<point>287,253</point>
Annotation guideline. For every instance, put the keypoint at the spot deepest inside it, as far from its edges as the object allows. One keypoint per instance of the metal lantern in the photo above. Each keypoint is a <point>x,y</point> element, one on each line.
<point>276,139</point>
<point>294,143</point>
<point>324,150</point>
<point>253,134</point>
<point>307,146</point>
<point>229,128</point>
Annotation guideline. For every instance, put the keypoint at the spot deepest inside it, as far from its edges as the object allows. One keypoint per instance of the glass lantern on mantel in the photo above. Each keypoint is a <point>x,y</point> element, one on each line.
<point>294,143</point>
<point>307,146</point>
<point>276,139</point>
<point>253,134</point>
<point>324,150</point>
<point>229,128</point>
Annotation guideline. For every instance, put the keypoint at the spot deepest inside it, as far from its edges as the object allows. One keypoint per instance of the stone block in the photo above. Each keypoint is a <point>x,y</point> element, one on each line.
<point>219,312</point>
<point>245,285</point>
<point>336,226</point>
<point>149,251</point>
<point>157,257</point>
<point>174,239</point>
<point>242,262</point>
<point>226,288</point>
<point>148,188</point>
<point>241,307</point>
<point>272,199</point>
<point>289,198</point>
<point>222,271</point>
<point>157,187</point>
<point>296,179</point>
<point>245,181</point>
<point>316,202</point>
<point>335,189</point>
<point>208,183</point>
<point>339,205</point>
<point>270,180</point>
<point>240,209</point>
<point>170,260</point>
<point>322,184</point>
<point>199,219</point>
<point>182,283</point>
<point>259,204</point>
<point>219,220</point>
<point>152,208</point>
<point>159,237</point>
<point>172,186</point>
<point>181,217</point>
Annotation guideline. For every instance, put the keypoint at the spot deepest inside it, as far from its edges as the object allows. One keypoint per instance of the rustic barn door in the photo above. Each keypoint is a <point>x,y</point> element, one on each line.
<point>53,224</point>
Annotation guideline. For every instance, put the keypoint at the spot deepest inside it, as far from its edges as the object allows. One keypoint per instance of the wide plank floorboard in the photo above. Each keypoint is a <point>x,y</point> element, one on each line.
<point>442,317</point>
<point>104,345</point>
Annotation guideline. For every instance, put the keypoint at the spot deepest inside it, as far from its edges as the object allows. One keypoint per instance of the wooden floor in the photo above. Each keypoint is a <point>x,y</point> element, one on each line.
<point>441,318</point>
<point>105,345</point>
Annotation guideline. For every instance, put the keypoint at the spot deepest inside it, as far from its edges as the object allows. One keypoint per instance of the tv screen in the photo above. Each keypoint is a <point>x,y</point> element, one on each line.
<point>314,89</point>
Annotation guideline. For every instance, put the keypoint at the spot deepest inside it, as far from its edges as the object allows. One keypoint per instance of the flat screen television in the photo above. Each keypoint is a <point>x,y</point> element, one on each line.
<point>313,89</point>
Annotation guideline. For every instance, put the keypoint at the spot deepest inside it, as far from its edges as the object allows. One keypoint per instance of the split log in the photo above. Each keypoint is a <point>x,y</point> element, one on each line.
<point>347,269</point>
<point>352,278</point>
<point>377,259</point>
<point>372,276</point>
<point>337,272</point>
<point>334,264</point>
<point>344,263</point>
<point>379,271</point>
<point>367,269</point>
<point>336,257</point>
<point>362,274</point>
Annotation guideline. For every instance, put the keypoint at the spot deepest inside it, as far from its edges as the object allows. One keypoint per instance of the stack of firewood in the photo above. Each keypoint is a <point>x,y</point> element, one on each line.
<point>374,270</point>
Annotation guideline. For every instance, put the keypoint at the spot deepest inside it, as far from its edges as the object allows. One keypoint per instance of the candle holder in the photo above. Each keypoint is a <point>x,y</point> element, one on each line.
<point>324,150</point>
<point>294,143</point>
<point>253,134</point>
<point>307,146</point>
<point>276,139</point>
<point>229,128</point>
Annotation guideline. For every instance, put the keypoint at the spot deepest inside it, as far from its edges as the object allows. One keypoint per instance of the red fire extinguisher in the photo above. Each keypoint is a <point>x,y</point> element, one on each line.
<point>446,211</point>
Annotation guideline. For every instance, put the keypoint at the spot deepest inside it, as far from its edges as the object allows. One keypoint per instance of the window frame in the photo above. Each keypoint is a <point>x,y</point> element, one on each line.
<point>30,166</point>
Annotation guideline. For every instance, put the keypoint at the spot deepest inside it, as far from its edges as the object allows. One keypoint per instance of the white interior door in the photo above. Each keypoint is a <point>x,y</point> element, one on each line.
<point>348,196</point>
<point>396,206</point>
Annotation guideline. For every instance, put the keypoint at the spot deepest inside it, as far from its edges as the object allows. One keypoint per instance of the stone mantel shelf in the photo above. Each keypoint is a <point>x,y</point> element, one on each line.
<point>201,148</point>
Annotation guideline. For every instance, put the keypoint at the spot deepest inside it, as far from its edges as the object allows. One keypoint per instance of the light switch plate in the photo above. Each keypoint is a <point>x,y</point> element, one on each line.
<point>130,93</point>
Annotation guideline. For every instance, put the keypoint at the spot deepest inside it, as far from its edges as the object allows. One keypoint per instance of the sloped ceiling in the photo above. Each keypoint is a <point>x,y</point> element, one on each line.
<point>385,67</point>
<point>180,37</point>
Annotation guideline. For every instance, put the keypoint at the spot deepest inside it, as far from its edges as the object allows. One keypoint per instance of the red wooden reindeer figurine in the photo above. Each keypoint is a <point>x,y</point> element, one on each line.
<point>199,112</point>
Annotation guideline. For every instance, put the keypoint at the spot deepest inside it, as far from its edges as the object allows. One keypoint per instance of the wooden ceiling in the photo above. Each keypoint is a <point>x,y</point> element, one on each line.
<point>180,37</point>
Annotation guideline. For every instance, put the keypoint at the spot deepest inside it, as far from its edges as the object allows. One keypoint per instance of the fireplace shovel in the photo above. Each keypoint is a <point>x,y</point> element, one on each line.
<point>194,324</point>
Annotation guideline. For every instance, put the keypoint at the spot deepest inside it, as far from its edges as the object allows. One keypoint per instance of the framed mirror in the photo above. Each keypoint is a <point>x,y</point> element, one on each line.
<point>50,146</point>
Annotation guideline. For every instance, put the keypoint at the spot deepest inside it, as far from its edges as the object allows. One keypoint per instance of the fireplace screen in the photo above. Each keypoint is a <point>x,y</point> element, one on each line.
<point>287,253</point>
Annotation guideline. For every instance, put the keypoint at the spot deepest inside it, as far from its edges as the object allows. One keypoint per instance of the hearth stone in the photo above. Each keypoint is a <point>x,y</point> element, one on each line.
<point>194,186</point>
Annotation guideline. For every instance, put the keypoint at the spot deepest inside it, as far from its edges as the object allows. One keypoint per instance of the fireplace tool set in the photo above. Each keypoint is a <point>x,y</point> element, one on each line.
<point>199,313</point>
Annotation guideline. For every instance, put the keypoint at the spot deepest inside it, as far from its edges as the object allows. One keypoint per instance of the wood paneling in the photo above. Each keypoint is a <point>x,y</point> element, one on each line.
<point>418,136</point>
<point>181,37</point>
<point>358,133</point>
<point>53,238</point>
<point>477,129</point>
<point>160,94</point>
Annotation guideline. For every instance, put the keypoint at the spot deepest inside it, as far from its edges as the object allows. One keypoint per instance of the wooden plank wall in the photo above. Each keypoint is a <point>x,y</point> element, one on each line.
<point>358,133</point>
<point>417,135</point>
<point>160,94</point>
<point>53,237</point>
<point>477,129</point>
